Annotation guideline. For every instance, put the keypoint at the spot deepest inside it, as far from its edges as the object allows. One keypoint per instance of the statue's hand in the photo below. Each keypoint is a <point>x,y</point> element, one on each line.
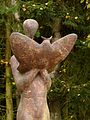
<point>22,80</point>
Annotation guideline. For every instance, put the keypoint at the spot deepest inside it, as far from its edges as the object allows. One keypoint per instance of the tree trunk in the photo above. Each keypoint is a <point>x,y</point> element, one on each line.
<point>56,29</point>
<point>9,103</point>
<point>55,110</point>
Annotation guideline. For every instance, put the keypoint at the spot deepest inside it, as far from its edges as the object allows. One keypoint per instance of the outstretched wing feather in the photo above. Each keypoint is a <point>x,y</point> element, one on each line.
<point>23,48</point>
<point>64,45</point>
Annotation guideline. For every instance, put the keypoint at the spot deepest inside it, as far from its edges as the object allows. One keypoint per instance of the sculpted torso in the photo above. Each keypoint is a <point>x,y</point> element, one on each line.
<point>33,103</point>
<point>33,86</point>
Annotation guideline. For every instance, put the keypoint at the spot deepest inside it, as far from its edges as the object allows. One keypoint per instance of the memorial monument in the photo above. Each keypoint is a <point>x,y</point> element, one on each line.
<point>31,64</point>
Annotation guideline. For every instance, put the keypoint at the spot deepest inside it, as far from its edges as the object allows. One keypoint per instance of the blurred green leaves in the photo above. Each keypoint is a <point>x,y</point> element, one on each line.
<point>6,10</point>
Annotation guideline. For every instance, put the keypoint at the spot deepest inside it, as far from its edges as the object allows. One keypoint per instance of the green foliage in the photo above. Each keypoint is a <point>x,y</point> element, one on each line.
<point>6,10</point>
<point>71,85</point>
<point>73,16</point>
<point>38,11</point>
<point>2,107</point>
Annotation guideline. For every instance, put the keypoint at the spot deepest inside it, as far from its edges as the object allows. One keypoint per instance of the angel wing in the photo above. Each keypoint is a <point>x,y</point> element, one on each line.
<point>24,49</point>
<point>65,44</point>
<point>61,48</point>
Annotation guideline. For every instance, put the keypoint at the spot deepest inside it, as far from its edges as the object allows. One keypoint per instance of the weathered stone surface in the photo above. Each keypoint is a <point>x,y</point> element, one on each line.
<point>33,87</point>
<point>30,54</point>
<point>30,65</point>
<point>30,27</point>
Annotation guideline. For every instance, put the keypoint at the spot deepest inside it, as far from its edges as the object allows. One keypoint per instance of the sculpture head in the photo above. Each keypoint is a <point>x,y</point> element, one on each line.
<point>30,27</point>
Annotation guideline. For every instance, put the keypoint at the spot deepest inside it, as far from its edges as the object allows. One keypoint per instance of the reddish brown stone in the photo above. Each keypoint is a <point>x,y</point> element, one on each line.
<point>30,54</point>
<point>33,86</point>
<point>30,27</point>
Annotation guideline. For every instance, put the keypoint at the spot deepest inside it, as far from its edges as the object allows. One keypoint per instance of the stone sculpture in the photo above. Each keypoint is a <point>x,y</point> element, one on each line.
<point>30,65</point>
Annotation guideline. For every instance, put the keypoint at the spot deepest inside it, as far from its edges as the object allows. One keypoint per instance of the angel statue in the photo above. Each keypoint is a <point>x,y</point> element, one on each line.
<point>31,64</point>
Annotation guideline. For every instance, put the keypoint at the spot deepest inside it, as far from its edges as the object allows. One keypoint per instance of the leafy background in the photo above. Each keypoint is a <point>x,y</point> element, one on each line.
<point>69,96</point>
